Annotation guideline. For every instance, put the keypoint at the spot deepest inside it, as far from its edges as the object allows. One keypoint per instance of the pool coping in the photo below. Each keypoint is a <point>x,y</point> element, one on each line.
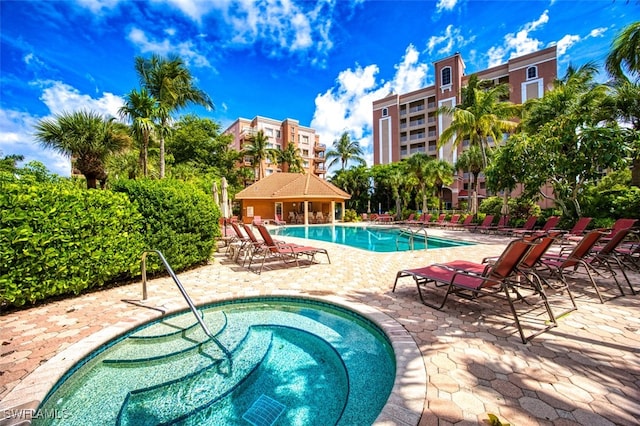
<point>404,405</point>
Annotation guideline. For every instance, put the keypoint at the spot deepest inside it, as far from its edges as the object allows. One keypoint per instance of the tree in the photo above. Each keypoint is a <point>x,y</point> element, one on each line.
<point>625,53</point>
<point>354,181</point>
<point>418,167</point>
<point>140,109</point>
<point>483,119</point>
<point>345,150</point>
<point>10,162</point>
<point>441,173</point>
<point>291,160</point>
<point>259,151</point>
<point>172,86</point>
<point>86,137</point>
<point>471,161</point>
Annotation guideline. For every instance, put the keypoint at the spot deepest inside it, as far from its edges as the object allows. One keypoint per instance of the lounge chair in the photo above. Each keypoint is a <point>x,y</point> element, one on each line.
<point>287,252</point>
<point>503,223</point>
<point>466,223</point>
<point>550,224</point>
<point>278,221</point>
<point>485,225</point>
<point>472,280</point>
<point>578,230</point>
<point>568,261</point>
<point>527,227</point>
<point>238,243</point>
<point>619,225</point>
<point>605,256</point>
<point>257,220</point>
<point>439,221</point>
<point>453,222</point>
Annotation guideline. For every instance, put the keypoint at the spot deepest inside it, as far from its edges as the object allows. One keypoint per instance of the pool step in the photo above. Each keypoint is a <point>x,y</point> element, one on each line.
<point>170,401</point>
<point>154,344</point>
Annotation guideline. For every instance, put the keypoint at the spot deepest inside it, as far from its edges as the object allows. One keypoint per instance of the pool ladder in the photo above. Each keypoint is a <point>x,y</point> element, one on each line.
<point>411,233</point>
<point>194,310</point>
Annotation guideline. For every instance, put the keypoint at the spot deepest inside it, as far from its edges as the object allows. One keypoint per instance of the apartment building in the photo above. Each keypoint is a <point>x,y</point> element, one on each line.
<point>281,134</point>
<point>404,124</point>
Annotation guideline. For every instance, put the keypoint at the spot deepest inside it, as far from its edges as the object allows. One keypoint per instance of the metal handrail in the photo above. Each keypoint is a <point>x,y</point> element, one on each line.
<point>143,267</point>
<point>412,233</point>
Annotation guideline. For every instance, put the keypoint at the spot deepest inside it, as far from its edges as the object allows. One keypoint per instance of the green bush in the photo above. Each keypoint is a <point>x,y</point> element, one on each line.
<point>56,239</point>
<point>519,209</point>
<point>180,220</point>
<point>350,215</point>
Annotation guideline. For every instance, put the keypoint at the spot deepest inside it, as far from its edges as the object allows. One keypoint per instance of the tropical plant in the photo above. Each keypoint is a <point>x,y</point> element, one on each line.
<point>9,163</point>
<point>483,121</point>
<point>345,150</point>
<point>258,149</point>
<point>86,137</point>
<point>418,166</point>
<point>625,53</point>
<point>441,173</point>
<point>354,181</point>
<point>471,161</point>
<point>290,159</point>
<point>171,84</point>
<point>140,110</point>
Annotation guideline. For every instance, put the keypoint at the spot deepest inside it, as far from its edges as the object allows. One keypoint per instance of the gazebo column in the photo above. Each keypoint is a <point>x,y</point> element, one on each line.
<point>306,212</point>
<point>342,212</point>
<point>332,214</point>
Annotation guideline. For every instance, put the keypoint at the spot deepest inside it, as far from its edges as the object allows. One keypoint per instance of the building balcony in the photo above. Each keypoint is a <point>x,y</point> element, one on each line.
<point>320,147</point>
<point>319,159</point>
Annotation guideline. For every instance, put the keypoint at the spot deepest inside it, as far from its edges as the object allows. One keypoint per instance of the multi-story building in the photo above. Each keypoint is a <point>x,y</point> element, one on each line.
<point>281,134</point>
<point>404,124</point>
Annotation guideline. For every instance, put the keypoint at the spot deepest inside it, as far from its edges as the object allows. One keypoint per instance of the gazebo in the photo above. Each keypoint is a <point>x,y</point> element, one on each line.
<point>294,197</point>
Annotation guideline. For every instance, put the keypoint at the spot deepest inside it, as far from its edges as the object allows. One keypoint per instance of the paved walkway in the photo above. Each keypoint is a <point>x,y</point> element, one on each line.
<point>586,371</point>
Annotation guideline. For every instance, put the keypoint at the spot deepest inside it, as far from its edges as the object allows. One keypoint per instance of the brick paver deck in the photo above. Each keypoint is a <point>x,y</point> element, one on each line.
<point>585,371</point>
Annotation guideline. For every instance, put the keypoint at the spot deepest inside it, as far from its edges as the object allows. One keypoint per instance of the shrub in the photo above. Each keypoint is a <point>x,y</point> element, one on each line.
<point>350,215</point>
<point>56,239</point>
<point>180,220</point>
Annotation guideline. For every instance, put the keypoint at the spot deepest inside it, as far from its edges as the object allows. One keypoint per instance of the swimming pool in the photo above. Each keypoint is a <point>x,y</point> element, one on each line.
<point>372,238</point>
<point>277,361</point>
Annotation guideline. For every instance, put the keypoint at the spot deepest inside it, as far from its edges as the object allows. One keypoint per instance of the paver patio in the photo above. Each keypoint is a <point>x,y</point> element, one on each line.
<point>585,371</point>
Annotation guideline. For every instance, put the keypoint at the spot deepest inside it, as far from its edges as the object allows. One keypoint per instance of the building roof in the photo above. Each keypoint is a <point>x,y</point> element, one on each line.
<point>292,186</point>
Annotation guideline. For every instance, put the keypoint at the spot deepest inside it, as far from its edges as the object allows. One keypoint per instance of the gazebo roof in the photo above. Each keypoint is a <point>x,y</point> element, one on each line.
<point>292,186</point>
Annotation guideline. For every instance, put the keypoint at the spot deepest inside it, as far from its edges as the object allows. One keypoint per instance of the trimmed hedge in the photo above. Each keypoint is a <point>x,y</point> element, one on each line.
<point>180,220</point>
<point>56,239</point>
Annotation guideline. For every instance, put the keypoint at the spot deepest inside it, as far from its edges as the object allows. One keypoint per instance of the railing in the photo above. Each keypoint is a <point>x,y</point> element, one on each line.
<point>143,267</point>
<point>411,233</point>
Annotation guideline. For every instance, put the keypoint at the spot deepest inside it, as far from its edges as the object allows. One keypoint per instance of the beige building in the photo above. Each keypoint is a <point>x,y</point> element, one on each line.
<point>404,124</point>
<point>281,134</point>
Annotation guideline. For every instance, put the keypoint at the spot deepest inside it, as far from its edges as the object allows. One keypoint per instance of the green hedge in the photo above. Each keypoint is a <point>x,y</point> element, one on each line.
<point>56,239</point>
<point>180,220</point>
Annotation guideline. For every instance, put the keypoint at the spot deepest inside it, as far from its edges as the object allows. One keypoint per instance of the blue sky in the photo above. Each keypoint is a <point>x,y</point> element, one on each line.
<point>321,62</point>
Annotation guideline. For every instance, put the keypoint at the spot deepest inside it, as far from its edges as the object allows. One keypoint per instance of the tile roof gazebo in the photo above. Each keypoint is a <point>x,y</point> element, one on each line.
<point>295,197</point>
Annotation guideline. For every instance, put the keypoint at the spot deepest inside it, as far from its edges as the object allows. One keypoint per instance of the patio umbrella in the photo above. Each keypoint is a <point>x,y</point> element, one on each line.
<point>505,204</point>
<point>225,199</point>
<point>216,194</point>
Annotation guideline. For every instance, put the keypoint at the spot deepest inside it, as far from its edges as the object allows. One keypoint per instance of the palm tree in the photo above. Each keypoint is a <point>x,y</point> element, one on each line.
<point>10,162</point>
<point>471,161</point>
<point>84,136</point>
<point>625,53</point>
<point>258,149</point>
<point>485,118</point>
<point>441,172</point>
<point>345,150</point>
<point>171,84</point>
<point>140,109</point>
<point>418,166</point>
<point>291,159</point>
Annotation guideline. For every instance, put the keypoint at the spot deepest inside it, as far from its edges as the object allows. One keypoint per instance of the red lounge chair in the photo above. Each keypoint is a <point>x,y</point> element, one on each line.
<point>503,223</point>
<point>453,222</point>
<point>472,280</point>
<point>257,220</point>
<point>605,256</point>
<point>485,225</point>
<point>619,225</point>
<point>439,221</point>
<point>466,223</point>
<point>550,224</point>
<point>528,226</point>
<point>287,252</point>
<point>238,243</point>
<point>278,221</point>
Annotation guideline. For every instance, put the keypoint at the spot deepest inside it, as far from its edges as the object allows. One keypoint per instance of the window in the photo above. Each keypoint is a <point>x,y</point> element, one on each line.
<point>385,112</point>
<point>532,72</point>
<point>305,140</point>
<point>268,132</point>
<point>445,75</point>
<point>305,152</point>
<point>278,133</point>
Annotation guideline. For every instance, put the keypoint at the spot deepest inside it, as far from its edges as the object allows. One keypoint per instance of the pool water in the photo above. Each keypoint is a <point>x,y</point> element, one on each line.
<point>280,361</point>
<point>372,238</point>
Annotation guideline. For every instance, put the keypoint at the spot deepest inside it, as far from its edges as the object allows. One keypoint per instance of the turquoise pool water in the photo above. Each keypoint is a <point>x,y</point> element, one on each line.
<point>372,238</point>
<point>279,361</point>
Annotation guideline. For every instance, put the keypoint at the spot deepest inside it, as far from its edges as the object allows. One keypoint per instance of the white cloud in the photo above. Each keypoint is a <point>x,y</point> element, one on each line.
<point>445,5</point>
<point>185,49</point>
<point>447,40</point>
<point>18,127</point>
<point>98,6</point>
<point>519,43</point>
<point>566,42</point>
<point>496,55</point>
<point>597,32</point>
<point>347,106</point>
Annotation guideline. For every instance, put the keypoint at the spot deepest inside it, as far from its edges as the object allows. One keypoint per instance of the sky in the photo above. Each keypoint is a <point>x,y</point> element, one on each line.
<point>320,62</point>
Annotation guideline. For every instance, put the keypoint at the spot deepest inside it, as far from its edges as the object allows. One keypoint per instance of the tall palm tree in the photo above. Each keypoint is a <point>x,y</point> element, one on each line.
<point>84,136</point>
<point>418,166</point>
<point>484,119</point>
<point>291,160</point>
<point>625,53</point>
<point>259,151</point>
<point>140,109</point>
<point>471,161</point>
<point>441,172</point>
<point>345,150</point>
<point>171,84</point>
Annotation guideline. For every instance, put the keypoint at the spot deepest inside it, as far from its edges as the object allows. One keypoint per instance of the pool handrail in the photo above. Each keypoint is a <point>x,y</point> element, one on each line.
<point>194,310</point>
